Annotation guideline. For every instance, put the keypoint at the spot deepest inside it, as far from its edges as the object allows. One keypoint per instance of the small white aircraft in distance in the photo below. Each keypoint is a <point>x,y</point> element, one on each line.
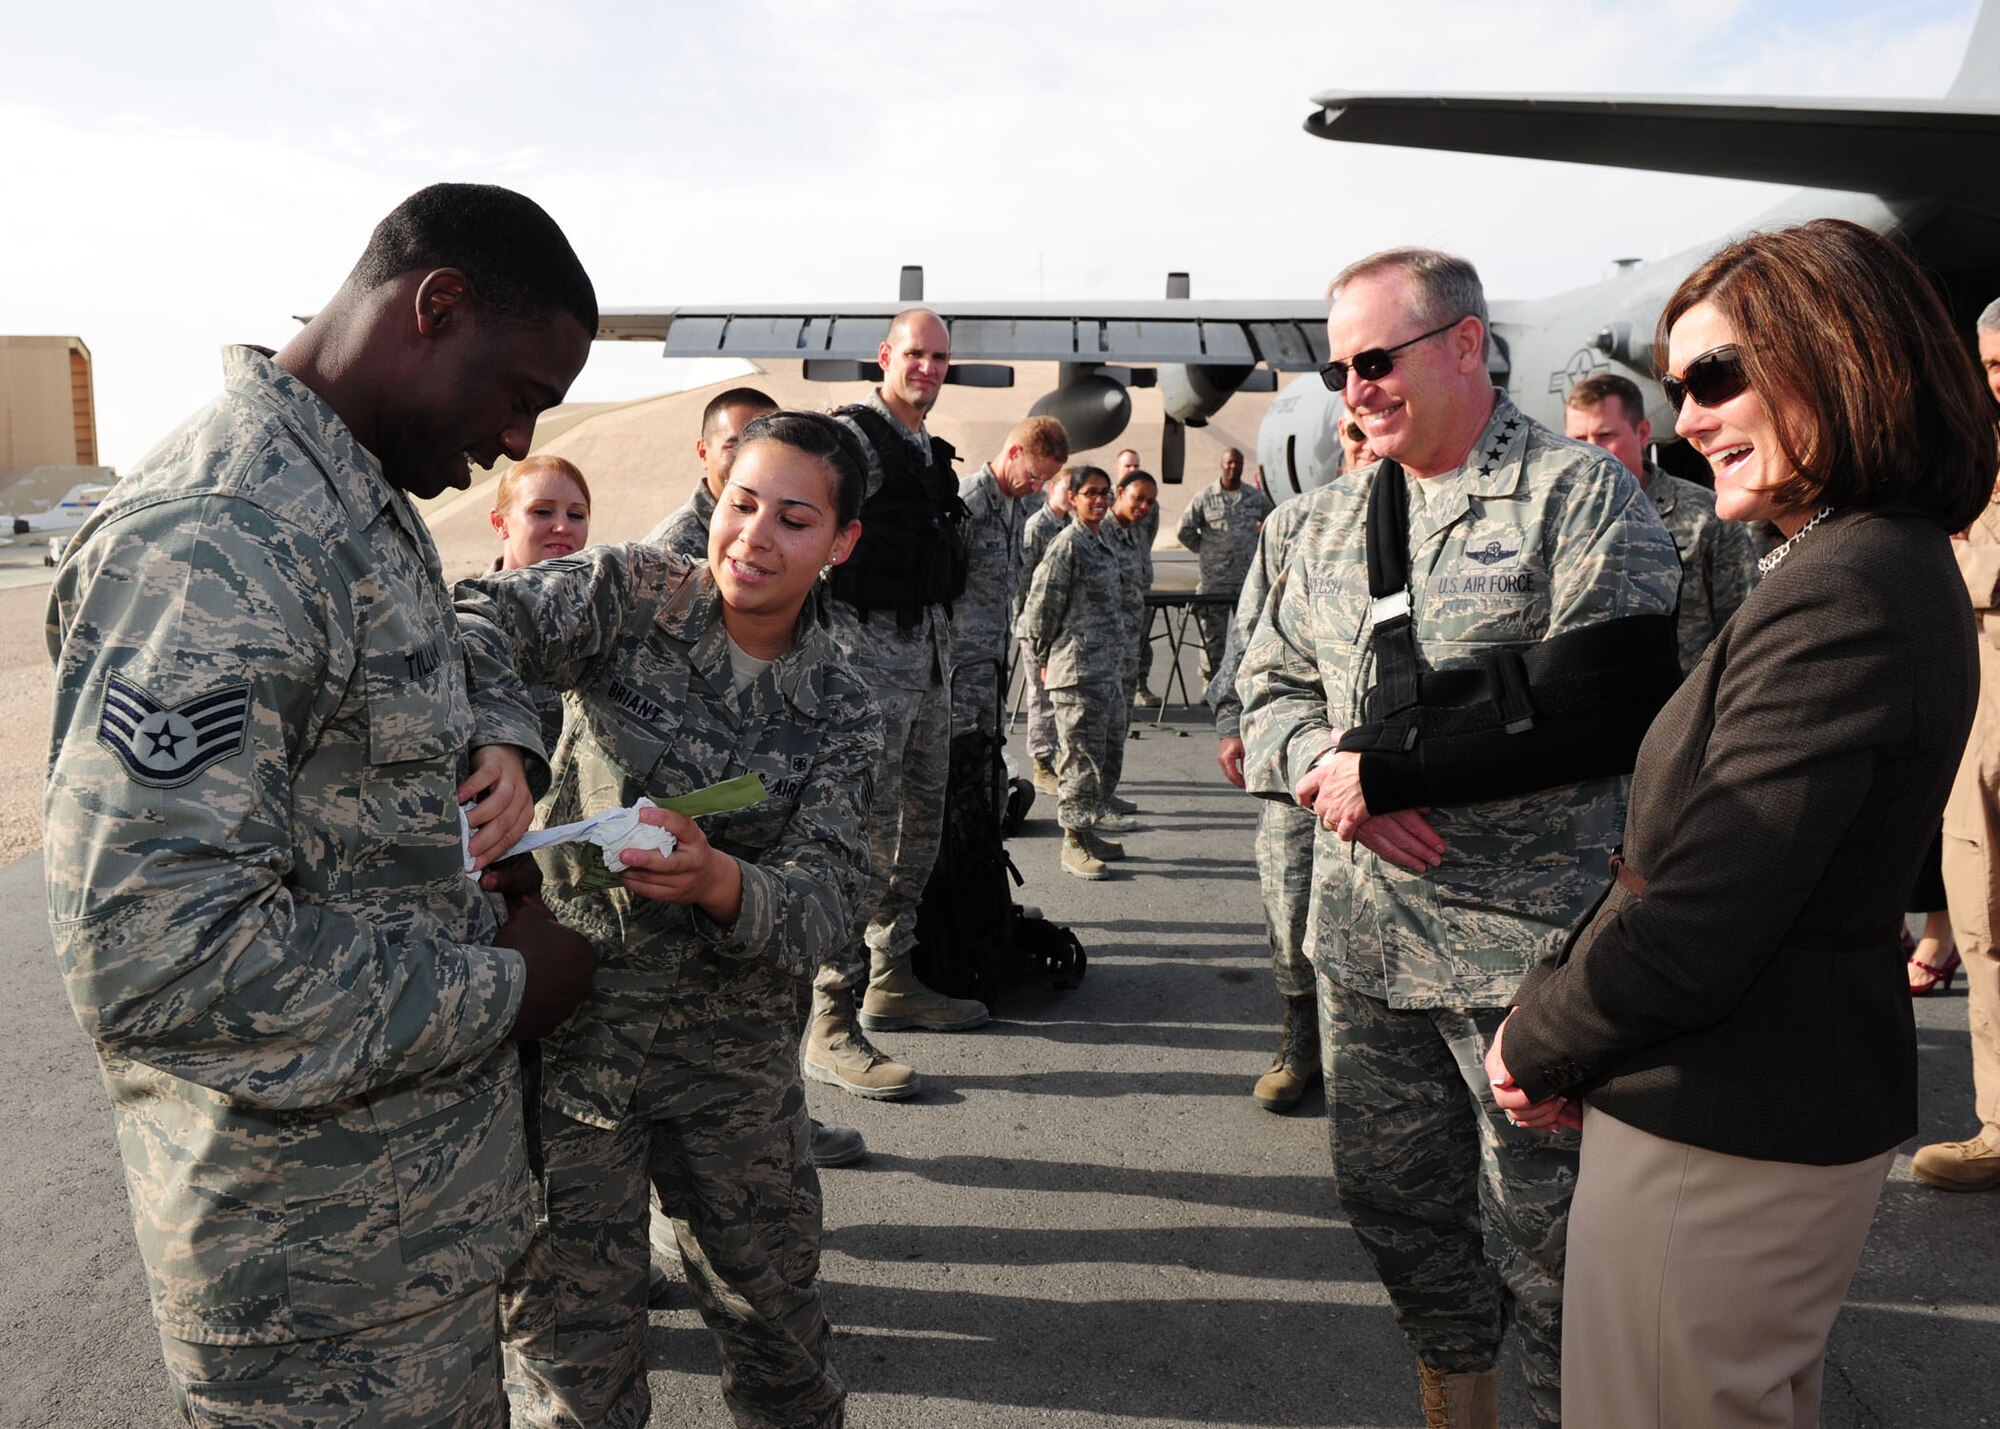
<point>60,519</point>
<point>1926,171</point>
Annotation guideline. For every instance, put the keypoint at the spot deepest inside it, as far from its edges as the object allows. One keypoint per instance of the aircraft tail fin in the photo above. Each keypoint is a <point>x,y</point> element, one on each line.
<point>1892,148</point>
<point>1979,73</point>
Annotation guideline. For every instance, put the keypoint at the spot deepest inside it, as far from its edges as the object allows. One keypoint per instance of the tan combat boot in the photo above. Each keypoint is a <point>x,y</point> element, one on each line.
<point>1460,1401</point>
<point>1113,822</point>
<point>1296,1067</point>
<point>1971,1165</point>
<point>898,998</point>
<point>1106,849</point>
<point>1045,777</point>
<point>1079,861</point>
<point>840,1054</point>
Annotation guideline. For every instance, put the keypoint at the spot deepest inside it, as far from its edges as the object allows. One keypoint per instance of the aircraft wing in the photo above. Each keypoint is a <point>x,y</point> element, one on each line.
<point>1286,336</point>
<point>1895,148</point>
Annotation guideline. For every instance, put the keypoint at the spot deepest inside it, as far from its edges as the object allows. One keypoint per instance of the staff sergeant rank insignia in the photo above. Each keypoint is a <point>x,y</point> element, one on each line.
<point>163,747</point>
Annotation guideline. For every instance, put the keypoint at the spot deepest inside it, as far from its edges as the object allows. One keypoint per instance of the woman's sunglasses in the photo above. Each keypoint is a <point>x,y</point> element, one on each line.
<point>1714,377</point>
<point>1376,363</point>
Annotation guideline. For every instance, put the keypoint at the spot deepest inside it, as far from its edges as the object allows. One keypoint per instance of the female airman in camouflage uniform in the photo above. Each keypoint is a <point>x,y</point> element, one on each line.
<point>541,512</point>
<point>1134,519</point>
<point>682,1068</point>
<point>1036,537</point>
<point>1077,636</point>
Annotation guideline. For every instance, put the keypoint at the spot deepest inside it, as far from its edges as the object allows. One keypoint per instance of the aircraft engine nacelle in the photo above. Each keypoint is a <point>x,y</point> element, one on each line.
<point>1194,394</point>
<point>1297,445</point>
<point>1092,407</point>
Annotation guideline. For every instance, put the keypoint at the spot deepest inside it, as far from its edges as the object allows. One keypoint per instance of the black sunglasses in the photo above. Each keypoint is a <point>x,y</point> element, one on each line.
<point>1715,376</point>
<point>1376,363</point>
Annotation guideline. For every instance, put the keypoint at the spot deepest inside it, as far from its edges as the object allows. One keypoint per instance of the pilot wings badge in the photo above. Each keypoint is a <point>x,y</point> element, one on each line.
<point>165,747</point>
<point>1491,554</point>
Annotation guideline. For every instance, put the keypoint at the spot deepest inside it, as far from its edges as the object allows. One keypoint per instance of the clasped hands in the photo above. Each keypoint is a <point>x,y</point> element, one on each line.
<point>1549,1114</point>
<point>1332,790</point>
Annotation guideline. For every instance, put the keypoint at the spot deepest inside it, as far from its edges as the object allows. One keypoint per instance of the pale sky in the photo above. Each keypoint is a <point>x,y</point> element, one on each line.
<point>183,176</point>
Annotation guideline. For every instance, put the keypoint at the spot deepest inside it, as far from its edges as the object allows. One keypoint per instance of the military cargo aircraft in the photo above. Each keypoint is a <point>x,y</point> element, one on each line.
<point>1927,171</point>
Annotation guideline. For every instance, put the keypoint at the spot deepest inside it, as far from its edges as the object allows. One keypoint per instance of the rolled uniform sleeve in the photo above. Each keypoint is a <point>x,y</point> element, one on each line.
<point>205,795</point>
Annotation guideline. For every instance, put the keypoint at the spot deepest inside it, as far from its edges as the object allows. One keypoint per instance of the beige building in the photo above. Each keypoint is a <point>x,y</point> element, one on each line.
<point>48,414</point>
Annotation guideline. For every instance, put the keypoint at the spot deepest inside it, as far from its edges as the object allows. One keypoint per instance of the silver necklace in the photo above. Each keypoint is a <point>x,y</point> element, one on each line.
<point>1767,564</point>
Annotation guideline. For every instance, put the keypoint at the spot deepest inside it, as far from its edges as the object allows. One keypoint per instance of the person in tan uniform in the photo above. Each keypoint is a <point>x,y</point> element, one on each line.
<point>1972,844</point>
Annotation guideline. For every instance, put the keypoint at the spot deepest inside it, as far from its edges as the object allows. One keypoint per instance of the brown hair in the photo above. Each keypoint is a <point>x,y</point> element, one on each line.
<point>1593,392</point>
<point>1042,438</point>
<point>510,480</point>
<point>1888,408</point>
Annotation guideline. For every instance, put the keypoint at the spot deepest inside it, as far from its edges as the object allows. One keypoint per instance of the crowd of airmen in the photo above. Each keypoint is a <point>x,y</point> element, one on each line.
<point>392,1133</point>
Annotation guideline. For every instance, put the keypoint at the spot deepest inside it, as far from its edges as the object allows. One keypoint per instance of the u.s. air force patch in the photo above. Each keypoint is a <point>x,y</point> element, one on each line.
<point>164,747</point>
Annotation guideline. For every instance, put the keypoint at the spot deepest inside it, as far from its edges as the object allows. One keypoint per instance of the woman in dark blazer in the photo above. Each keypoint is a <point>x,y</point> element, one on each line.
<point>1734,1015</point>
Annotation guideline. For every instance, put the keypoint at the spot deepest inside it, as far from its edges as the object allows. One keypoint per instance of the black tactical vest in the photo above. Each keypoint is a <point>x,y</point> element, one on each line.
<point>912,549</point>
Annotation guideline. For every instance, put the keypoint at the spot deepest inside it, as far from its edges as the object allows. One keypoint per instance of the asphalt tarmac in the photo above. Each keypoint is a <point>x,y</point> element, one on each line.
<point>1084,1219</point>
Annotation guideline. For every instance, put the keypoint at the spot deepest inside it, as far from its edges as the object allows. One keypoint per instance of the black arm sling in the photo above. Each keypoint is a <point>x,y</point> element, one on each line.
<point>1558,711</point>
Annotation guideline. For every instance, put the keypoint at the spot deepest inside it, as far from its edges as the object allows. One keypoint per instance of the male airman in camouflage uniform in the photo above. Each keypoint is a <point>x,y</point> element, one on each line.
<point>1718,558</point>
<point>1035,538</point>
<point>996,507</point>
<point>681,1070</point>
<point>1421,928</point>
<point>904,665</point>
<point>1073,632</point>
<point>684,530</point>
<point>1220,526</point>
<point>302,1006</point>
<point>1285,832</point>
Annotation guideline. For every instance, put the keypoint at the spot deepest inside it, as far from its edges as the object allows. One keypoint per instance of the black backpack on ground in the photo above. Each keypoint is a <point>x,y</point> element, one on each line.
<point>972,939</point>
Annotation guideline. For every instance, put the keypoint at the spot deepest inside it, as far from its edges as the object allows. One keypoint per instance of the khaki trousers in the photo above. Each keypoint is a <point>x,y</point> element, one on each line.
<point>1972,887</point>
<point>1700,1287</point>
<point>1971,863</point>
